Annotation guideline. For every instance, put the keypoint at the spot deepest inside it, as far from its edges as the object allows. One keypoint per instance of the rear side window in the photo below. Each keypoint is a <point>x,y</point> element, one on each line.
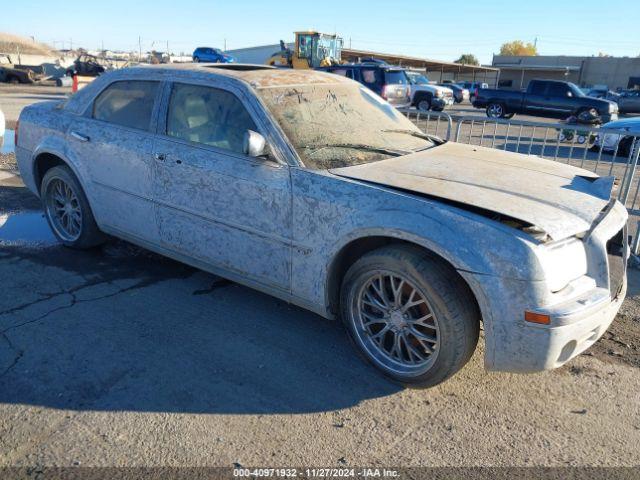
<point>209,116</point>
<point>371,76</point>
<point>394,77</point>
<point>538,88</point>
<point>127,103</point>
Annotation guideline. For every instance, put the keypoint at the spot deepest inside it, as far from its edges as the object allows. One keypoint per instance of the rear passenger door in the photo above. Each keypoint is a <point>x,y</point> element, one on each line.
<point>215,204</point>
<point>114,142</point>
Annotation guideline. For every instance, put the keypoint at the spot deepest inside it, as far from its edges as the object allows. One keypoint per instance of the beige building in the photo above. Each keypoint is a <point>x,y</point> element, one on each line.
<point>614,72</point>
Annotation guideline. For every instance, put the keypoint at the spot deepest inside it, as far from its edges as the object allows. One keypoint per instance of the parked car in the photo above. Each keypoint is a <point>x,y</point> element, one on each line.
<point>427,96</point>
<point>473,88</point>
<point>460,94</point>
<point>312,188</point>
<point>544,98</point>
<point>211,55</point>
<point>618,142</point>
<point>389,82</point>
<point>602,93</point>
<point>629,101</point>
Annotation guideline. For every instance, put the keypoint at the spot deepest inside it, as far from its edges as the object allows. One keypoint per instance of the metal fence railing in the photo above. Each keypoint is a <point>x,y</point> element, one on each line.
<point>434,123</point>
<point>605,151</point>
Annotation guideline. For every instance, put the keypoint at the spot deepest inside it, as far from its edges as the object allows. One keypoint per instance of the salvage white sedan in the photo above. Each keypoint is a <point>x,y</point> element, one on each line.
<point>308,186</point>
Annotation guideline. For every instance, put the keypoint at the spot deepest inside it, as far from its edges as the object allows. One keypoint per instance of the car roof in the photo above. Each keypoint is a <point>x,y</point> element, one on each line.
<point>257,76</point>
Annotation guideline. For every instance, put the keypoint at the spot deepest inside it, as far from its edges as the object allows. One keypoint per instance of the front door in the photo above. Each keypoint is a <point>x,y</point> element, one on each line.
<point>114,141</point>
<point>216,204</point>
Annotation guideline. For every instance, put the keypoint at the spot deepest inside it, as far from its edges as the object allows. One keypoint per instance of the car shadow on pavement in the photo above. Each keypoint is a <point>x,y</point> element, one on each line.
<point>120,328</point>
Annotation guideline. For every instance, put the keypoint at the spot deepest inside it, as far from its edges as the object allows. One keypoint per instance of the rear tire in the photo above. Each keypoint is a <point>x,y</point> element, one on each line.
<point>67,209</point>
<point>426,305</point>
<point>496,110</point>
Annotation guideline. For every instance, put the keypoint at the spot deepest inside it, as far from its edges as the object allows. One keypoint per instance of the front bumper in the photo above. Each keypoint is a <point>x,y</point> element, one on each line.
<point>579,314</point>
<point>439,102</point>
<point>580,327</point>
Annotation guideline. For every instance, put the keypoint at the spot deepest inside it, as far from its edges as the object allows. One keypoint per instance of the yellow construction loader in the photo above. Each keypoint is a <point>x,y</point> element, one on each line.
<point>311,50</point>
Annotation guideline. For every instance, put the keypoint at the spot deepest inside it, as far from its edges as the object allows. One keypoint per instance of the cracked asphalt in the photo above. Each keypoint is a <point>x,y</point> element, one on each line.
<point>119,357</point>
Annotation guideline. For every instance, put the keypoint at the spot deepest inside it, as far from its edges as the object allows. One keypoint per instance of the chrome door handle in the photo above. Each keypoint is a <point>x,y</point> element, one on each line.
<point>160,156</point>
<point>79,136</point>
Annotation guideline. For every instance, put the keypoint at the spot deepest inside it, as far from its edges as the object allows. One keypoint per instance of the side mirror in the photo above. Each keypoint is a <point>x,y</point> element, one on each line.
<point>254,144</point>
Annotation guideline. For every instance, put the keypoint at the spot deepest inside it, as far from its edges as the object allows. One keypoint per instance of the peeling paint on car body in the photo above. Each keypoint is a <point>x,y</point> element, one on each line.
<point>279,226</point>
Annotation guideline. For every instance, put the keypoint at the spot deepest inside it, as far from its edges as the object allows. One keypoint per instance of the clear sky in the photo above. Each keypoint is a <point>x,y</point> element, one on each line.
<point>433,29</point>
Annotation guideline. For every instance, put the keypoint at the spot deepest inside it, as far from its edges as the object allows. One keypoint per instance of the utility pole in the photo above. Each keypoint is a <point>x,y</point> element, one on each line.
<point>71,44</point>
<point>225,44</point>
<point>139,49</point>
<point>535,42</point>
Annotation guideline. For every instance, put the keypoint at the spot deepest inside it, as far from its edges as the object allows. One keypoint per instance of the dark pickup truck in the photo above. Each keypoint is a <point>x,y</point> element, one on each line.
<point>544,98</point>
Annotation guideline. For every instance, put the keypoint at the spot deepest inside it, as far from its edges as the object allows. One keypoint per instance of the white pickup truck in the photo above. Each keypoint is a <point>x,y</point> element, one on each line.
<point>427,96</point>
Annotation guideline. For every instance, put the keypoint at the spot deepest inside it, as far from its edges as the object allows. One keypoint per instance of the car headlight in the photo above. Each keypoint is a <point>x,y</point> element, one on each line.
<point>563,262</point>
<point>613,108</point>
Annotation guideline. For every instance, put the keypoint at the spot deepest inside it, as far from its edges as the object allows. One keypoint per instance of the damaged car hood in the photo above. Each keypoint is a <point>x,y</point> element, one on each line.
<point>560,199</point>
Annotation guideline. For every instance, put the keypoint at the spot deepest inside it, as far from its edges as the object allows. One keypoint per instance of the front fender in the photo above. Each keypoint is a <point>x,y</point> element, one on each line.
<point>332,212</point>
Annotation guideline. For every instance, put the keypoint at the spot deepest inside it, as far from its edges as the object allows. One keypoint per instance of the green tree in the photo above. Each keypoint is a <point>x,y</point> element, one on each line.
<point>468,59</point>
<point>518,48</point>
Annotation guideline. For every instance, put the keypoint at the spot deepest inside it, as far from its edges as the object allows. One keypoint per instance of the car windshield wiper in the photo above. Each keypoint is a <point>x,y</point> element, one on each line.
<point>413,133</point>
<point>358,146</point>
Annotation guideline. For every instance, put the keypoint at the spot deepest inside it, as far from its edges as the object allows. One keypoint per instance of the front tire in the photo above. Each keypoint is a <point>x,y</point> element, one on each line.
<point>410,315</point>
<point>67,209</point>
<point>424,105</point>
<point>196,60</point>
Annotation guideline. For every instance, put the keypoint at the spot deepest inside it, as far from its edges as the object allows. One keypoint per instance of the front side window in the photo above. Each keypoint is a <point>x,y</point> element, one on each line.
<point>305,46</point>
<point>558,90</point>
<point>417,79</point>
<point>127,103</point>
<point>208,116</point>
